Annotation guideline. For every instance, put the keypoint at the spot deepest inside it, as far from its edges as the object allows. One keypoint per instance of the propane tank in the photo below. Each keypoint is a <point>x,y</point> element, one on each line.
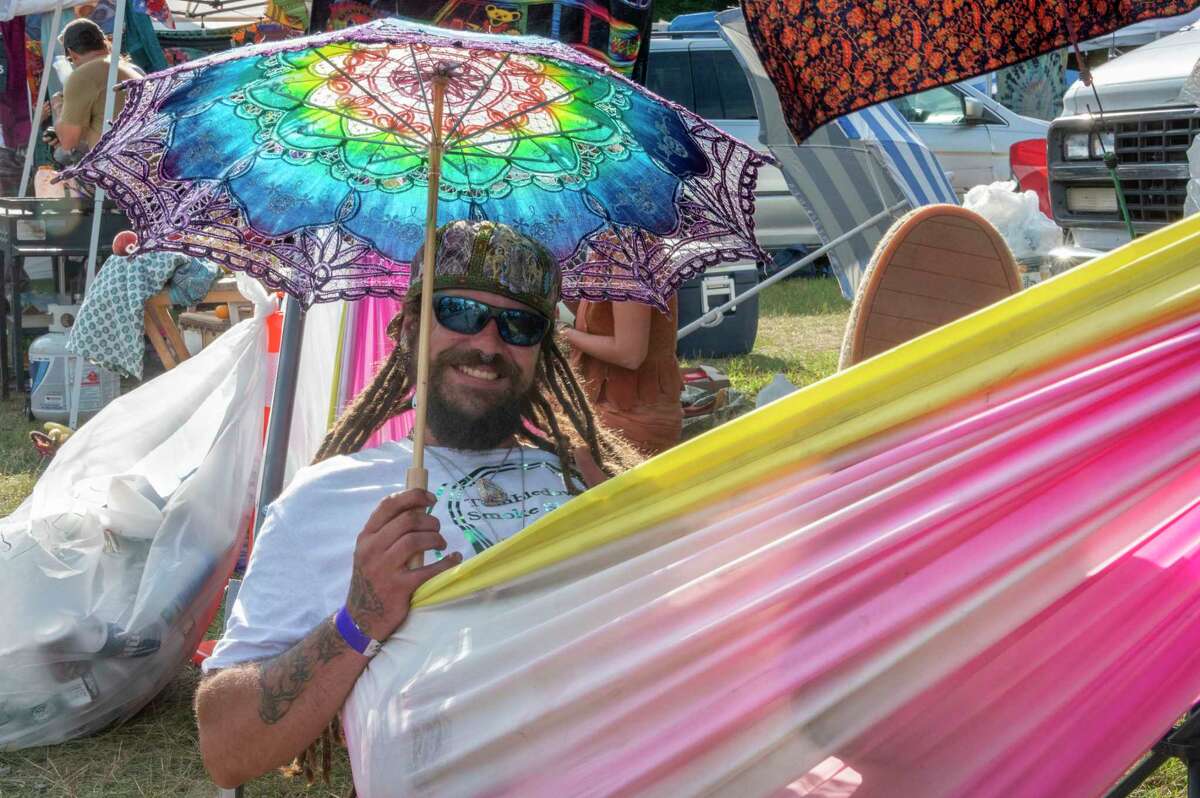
<point>52,373</point>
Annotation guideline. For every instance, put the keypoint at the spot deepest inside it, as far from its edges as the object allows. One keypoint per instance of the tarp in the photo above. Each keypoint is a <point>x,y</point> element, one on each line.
<point>20,8</point>
<point>614,32</point>
<point>915,577</point>
<point>110,569</point>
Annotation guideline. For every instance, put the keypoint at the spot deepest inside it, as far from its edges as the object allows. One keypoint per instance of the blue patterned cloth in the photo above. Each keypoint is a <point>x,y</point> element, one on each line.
<point>110,325</point>
<point>191,281</point>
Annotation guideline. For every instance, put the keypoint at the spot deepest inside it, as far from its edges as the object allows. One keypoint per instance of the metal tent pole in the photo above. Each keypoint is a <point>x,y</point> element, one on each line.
<point>114,63</point>
<point>715,314</point>
<point>279,427</point>
<point>43,90</point>
<point>283,402</point>
<point>109,103</point>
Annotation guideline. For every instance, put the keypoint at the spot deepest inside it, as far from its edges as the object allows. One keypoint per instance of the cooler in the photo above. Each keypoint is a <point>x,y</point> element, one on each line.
<point>734,333</point>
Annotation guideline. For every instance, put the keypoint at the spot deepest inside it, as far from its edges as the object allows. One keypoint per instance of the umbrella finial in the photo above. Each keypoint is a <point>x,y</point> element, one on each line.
<point>445,71</point>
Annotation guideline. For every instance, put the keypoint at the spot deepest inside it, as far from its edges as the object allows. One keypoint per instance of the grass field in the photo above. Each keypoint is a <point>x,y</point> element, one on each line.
<point>800,331</point>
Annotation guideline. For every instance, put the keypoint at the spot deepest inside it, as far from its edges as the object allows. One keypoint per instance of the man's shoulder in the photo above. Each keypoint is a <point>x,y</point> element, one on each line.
<point>95,73</point>
<point>92,73</point>
<point>335,472</point>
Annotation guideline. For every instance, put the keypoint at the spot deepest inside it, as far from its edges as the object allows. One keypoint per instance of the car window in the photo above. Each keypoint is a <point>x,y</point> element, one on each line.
<point>725,92</point>
<point>720,69</point>
<point>669,74</point>
<point>704,75</point>
<point>941,106</point>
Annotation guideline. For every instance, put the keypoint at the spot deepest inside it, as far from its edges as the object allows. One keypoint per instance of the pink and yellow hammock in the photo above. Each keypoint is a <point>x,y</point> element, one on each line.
<point>967,567</point>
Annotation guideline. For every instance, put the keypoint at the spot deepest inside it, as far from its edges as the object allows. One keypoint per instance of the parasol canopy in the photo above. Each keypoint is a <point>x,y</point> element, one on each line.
<point>830,57</point>
<point>307,162</point>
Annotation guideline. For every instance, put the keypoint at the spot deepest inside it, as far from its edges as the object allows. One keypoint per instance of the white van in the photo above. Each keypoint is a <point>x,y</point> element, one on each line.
<point>970,133</point>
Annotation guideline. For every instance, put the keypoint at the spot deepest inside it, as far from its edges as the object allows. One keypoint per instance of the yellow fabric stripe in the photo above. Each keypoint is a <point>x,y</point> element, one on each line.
<point>1143,283</point>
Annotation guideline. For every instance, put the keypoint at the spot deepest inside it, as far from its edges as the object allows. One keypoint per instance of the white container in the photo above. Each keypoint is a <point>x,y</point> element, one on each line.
<point>52,372</point>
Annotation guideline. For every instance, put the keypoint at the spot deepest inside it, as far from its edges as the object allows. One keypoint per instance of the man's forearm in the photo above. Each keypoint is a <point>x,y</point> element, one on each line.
<point>258,716</point>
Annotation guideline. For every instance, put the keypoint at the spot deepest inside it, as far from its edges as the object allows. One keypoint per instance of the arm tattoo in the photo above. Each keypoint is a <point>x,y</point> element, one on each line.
<point>363,603</point>
<point>282,679</point>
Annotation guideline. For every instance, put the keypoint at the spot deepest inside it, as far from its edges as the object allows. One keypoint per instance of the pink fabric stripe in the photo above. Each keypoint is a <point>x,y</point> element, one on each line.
<point>369,347</point>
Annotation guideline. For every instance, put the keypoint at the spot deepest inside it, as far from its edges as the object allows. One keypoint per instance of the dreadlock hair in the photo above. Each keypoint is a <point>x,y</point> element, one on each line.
<point>556,404</point>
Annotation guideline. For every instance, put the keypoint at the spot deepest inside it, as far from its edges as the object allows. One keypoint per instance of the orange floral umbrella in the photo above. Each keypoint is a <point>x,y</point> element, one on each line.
<point>828,58</point>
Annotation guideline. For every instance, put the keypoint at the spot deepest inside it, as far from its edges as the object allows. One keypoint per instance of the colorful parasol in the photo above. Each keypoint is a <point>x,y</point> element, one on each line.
<point>830,57</point>
<point>307,162</point>
<point>320,164</point>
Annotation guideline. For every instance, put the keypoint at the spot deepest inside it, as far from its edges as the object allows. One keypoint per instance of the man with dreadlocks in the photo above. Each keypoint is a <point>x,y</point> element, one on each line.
<point>510,434</point>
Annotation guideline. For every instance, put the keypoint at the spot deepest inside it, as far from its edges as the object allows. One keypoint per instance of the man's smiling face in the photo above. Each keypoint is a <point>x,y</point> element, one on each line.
<point>477,383</point>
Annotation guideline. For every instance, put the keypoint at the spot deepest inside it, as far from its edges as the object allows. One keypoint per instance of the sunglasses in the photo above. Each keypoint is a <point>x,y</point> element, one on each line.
<point>469,316</point>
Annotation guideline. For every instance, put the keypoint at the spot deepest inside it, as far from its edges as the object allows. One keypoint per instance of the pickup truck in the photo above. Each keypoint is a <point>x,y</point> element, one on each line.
<point>1149,127</point>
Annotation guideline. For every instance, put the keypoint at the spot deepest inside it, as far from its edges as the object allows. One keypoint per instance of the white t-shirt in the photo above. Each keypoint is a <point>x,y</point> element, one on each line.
<point>299,571</point>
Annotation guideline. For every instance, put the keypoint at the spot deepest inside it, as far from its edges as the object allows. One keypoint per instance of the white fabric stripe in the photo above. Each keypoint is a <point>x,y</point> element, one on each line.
<point>918,155</point>
<point>819,175</point>
<point>915,166</point>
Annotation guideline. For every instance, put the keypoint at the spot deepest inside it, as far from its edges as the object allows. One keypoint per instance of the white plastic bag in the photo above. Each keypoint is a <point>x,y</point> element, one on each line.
<point>779,387</point>
<point>109,571</point>
<point>1028,232</point>
<point>1191,203</point>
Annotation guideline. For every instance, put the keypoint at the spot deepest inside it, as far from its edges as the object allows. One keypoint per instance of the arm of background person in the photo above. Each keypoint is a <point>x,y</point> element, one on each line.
<point>589,471</point>
<point>628,344</point>
<point>257,716</point>
<point>69,136</point>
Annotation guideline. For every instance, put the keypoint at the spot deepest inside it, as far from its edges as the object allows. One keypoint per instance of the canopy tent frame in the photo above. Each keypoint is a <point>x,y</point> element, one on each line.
<point>35,113</point>
<point>218,7</point>
<point>1182,743</point>
<point>110,101</point>
<point>27,167</point>
<point>114,63</point>
<point>44,89</point>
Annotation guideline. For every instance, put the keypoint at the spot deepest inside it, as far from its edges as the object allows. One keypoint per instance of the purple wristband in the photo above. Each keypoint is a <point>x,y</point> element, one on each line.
<point>356,638</point>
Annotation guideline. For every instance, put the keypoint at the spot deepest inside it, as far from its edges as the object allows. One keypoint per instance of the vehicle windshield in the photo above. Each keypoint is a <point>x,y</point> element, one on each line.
<point>724,91</point>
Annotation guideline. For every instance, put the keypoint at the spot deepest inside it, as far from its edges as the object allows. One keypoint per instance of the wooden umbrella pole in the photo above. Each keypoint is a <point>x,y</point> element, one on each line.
<point>418,477</point>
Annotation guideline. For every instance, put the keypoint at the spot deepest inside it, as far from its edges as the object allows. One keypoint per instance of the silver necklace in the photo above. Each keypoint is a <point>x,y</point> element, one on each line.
<point>492,495</point>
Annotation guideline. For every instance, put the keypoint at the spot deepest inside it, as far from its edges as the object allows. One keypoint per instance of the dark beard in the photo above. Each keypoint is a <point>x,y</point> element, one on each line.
<point>459,429</point>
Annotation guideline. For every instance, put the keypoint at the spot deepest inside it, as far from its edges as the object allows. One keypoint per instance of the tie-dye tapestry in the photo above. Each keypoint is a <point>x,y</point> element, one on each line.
<point>611,31</point>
